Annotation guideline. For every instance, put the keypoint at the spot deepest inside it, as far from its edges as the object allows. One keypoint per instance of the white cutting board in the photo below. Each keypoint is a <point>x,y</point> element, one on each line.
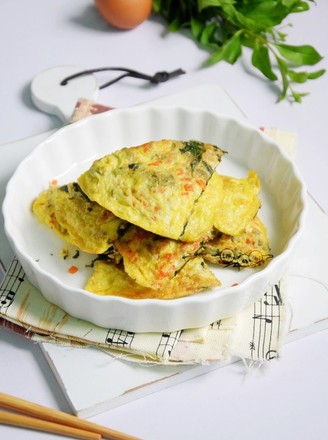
<point>94,381</point>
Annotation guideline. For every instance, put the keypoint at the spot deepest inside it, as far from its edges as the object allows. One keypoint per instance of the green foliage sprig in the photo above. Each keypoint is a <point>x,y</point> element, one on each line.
<point>223,27</point>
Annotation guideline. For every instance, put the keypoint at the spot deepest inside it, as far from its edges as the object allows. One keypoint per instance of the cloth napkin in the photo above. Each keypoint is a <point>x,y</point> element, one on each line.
<point>256,334</point>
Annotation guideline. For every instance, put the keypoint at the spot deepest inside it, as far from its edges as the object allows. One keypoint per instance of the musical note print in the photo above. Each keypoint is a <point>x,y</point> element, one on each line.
<point>216,325</point>
<point>274,297</point>
<point>167,343</point>
<point>119,338</point>
<point>271,354</point>
<point>13,280</point>
<point>267,321</point>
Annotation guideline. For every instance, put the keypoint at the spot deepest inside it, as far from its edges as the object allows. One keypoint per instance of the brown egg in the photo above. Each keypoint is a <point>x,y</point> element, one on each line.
<point>124,14</point>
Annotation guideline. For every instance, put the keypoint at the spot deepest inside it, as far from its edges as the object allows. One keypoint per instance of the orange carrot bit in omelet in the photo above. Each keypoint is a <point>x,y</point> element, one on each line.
<point>73,269</point>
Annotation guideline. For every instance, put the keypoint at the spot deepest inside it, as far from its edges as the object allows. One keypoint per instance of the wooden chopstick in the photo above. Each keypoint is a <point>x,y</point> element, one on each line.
<point>8,418</point>
<point>58,417</point>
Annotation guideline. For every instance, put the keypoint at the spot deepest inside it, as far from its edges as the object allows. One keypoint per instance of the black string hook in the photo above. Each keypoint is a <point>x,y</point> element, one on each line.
<point>157,78</point>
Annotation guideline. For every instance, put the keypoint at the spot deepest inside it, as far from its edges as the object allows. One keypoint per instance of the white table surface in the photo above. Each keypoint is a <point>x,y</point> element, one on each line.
<point>286,399</point>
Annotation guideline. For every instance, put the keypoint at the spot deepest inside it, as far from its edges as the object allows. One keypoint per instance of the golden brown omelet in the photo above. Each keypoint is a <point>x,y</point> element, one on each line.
<point>152,260</point>
<point>239,204</point>
<point>111,279</point>
<point>83,223</point>
<point>158,211</point>
<point>203,215</point>
<point>249,249</point>
<point>91,227</point>
<point>44,209</point>
<point>155,185</point>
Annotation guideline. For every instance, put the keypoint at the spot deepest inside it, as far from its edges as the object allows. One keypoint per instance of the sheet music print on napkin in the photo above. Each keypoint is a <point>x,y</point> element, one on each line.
<point>266,321</point>
<point>268,316</point>
<point>255,334</point>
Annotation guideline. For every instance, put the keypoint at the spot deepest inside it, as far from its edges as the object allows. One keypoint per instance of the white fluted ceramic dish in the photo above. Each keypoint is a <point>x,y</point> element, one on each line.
<point>72,149</point>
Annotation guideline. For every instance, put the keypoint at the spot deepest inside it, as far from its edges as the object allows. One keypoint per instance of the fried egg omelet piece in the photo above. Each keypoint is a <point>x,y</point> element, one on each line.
<point>204,213</point>
<point>249,249</point>
<point>43,208</point>
<point>111,279</point>
<point>239,204</point>
<point>76,219</point>
<point>154,185</point>
<point>151,260</point>
<point>92,227</point>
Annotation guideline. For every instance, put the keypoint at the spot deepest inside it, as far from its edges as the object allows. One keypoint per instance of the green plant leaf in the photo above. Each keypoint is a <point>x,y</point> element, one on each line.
<point>302,77</point>
<point>202,4</point>
<point>175,25</point>
<point>232,13</point>
<point>298,96</point>
<point>283,68</point>
<point>230,51</point>
<point>207,37</point>
<point>299,55</point>
<point>268,12</point>
<point>316,74</point>
<point>224,27</point>
<point>300,7</point>
<point>298,77</point>
<point>196,28</point>
<point>261,60</point>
